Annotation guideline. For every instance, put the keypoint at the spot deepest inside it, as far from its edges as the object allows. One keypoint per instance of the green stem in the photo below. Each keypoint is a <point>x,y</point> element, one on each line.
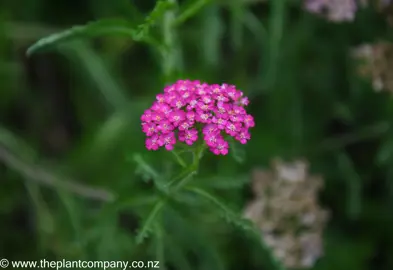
<point>171,189</point>
<point>188,172</point>
<point>160,247</point>
<point>150,220</point>
<point>276,29</point>
<point>338,142</point>
<point>169,54</point>
<point>190,11</point>
<point>179,159</point>
<point>197,155</point>
<point>238,221</point>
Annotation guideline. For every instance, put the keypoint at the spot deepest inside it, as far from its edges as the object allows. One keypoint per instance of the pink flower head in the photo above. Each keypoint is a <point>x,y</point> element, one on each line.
<point>188,136</point>
<point>153,142</point>
<point>176,117</point>
<point>160,98</point>
<point>191,116</point>
<point>212,139</point>
<point>205,106</point>
<point>192,104</point>
<point>243,136</point>
<point>177,103</point>
<point>220,123</point>
<point>147,116</point>
<point>249,121</point>
<point>244,101</point>
<point>221,147</point>
<point>232,128</point>
<point>168,140</point>
<point>210,129</point>
<point>185,125</point>
<point>157,117</point>
<point>165,126</point>
<point>187,107</point>
<point>215,89</point>
<point>203,117</point>
<point>149,129</point>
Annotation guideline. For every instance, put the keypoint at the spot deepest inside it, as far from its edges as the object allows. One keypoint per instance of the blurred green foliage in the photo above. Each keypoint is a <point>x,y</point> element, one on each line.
<point>77,181</point>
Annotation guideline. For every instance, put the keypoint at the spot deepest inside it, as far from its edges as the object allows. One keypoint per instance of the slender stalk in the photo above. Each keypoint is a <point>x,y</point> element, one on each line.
<point>169,53</point>
<point>365,133</point>
<point>276,29</point>
<point>179,159</point>
<point>160,247</point>
<point>188,172</point>
<point>47,178</point>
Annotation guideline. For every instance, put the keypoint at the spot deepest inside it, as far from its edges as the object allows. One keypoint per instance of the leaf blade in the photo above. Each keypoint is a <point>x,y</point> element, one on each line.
<point>246,225</point>
<point>106,27</point>
<point>148,225</point>
<point>92,29</point>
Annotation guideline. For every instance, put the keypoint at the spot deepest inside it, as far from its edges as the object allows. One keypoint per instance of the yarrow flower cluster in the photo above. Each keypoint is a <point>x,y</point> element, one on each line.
<point>188,110</point>
<point>334,10</point>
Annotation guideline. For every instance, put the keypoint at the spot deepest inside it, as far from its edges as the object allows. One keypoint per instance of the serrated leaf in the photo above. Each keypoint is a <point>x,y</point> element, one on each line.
<point>105,27</point>
<point>150,221</point>
<point>227,213</point>
<point>178,181</point>
<point>190,10</point>
<point>144,168</point>
<point>178,158</point>
<point>136,201</point>
<point>180,232</point>
<point>158,11</point>
<point>244,224</point>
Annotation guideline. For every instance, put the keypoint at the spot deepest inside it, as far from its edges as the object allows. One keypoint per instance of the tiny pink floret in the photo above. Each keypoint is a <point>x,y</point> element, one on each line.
<point>187,110</point>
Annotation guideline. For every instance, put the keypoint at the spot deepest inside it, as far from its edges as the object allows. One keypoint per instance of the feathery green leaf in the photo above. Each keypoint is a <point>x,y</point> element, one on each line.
<point>105,27</point>
<point>150,221</point>
<point>244,224</point>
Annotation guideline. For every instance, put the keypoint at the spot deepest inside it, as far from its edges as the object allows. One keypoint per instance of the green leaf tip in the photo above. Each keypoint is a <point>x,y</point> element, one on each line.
<point>105,27</point>
<point>92,29</point>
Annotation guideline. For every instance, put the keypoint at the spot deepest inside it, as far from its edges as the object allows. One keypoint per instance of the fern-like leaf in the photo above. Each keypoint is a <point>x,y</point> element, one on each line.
<point>144,168</point>
<point>229,215</point>
<point>190,10</point>
<point>148,226</point>
<point>244,224</point>
<point>105,27</point>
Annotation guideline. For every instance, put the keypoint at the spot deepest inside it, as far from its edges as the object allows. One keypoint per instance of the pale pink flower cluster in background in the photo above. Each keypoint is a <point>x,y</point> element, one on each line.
<point>190,109</point>
<point>333,10</point>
